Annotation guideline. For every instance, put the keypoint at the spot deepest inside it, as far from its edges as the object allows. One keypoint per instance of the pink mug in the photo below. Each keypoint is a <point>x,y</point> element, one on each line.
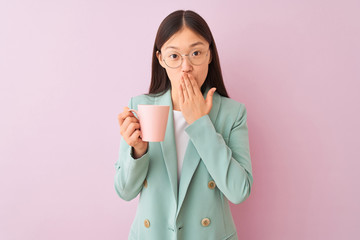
<point>153,121</point>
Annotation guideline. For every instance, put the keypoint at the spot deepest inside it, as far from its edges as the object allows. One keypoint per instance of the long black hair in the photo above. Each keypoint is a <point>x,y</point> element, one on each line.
<point>160,82</point>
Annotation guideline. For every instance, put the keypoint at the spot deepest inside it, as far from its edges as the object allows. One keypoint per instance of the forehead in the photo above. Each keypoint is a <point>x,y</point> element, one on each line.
<point>184,39</point>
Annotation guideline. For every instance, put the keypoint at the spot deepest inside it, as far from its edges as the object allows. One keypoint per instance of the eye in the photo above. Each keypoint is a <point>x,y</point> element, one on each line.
<point>196,53</point>
<point>173,56</point>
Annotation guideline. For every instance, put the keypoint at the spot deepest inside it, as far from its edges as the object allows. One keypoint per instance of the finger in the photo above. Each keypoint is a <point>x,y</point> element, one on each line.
<point>120,119</point>
<point>129,120</point>
<point>134,138</point>
<point>194,85</point>
<point>132,128</point>
<point>126,112</point>
<point>209,98</point>
<point>126,124</point>
<point>188,86</point>
<point>181,96</point>
<point>183,87</point>
<point>122,116</point>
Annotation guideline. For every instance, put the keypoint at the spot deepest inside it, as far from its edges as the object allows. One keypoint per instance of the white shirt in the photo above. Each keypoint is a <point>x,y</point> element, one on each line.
<point>181,138</point>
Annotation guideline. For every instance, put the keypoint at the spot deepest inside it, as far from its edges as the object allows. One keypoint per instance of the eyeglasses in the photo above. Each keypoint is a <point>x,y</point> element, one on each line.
<point>174,59</point>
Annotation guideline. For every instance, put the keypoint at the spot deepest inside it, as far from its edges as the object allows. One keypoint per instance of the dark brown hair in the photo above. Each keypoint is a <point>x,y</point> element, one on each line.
<point>160,82</point>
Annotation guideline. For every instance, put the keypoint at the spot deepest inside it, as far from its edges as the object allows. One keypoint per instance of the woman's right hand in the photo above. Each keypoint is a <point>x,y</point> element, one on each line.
<point>130,131</point>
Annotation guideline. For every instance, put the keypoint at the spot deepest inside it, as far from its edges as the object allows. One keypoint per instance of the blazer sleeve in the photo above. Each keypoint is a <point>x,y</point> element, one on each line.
<point>130,172</point>
<point>228,164</point>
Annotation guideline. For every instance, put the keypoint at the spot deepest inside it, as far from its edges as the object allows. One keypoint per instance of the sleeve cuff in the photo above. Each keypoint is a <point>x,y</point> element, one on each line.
<point>197,128</point>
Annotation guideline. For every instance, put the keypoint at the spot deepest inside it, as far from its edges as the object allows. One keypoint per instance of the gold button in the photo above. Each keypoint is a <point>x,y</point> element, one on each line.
<point>145,183</point>
<point>147,223</point>
<point>211,184</point>
<point>205,222</point>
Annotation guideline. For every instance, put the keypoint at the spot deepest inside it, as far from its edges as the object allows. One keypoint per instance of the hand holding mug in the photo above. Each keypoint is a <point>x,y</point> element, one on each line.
<point>130,131</point>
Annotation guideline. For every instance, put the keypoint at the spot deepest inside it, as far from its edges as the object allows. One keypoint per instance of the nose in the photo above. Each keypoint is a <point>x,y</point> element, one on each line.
<point>186,65</point>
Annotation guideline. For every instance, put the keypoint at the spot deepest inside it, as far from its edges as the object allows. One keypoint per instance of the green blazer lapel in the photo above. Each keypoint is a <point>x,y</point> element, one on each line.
<point>168,146</point>
<point>192,158</point>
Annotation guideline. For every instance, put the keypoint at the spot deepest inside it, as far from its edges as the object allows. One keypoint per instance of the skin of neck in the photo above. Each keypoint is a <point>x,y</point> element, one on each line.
<point>175,99</point>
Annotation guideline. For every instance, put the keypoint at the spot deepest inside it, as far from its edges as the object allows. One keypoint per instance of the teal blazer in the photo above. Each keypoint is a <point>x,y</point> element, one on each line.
<point>216,169</point>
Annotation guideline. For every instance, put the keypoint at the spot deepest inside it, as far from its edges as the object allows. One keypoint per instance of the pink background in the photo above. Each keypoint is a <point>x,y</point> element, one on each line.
<point>67,68</point>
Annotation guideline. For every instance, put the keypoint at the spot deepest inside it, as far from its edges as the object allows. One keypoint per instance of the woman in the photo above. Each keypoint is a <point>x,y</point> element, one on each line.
<point>186,181</point>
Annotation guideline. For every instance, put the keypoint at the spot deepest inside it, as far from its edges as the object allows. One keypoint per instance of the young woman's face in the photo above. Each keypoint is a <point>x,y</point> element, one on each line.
<point>185,42</point>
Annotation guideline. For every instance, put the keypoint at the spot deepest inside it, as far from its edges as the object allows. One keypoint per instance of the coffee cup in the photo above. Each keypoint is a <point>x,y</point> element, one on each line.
<point>153,121</point>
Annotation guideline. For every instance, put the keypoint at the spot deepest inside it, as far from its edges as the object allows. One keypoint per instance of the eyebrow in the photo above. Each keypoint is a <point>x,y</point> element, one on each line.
<point>192,45</point>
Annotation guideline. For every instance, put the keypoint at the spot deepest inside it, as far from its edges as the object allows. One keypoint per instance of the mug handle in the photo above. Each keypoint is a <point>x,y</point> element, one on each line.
<point>137,114</point>
<point>138,117</point>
